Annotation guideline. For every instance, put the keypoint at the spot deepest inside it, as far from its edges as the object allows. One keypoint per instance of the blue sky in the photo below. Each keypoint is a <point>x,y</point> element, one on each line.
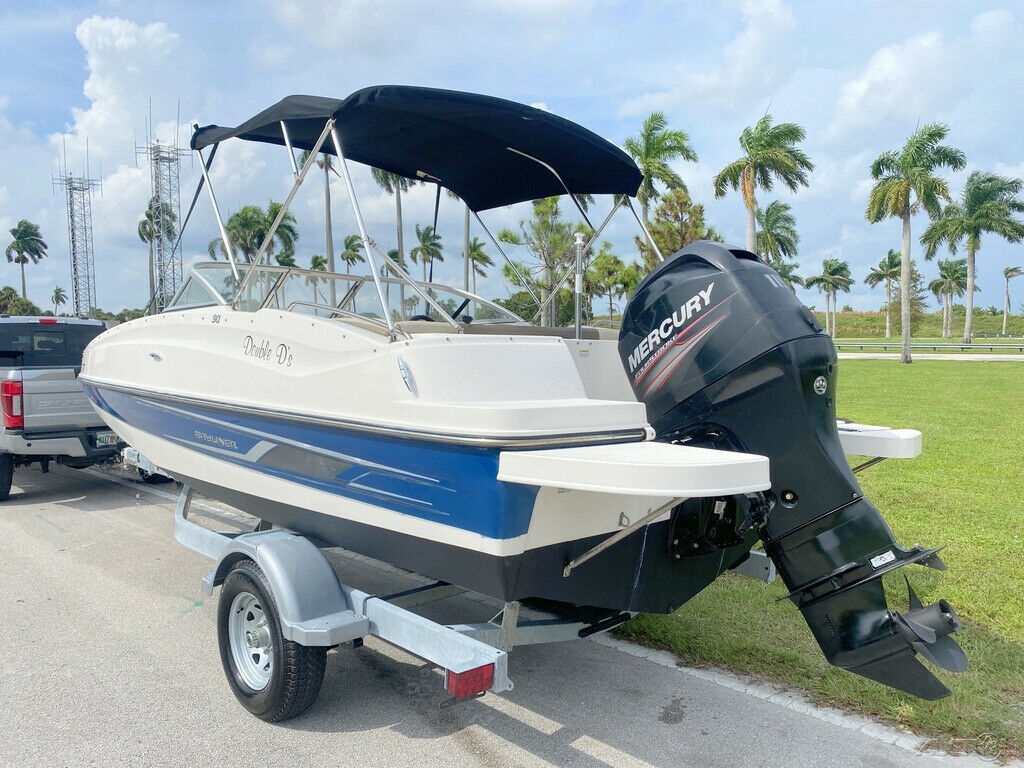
<point>858,77</point>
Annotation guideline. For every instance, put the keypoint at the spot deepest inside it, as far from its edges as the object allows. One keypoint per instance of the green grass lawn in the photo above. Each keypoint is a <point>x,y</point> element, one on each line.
<point>872,325</point>
<point>965,491</point>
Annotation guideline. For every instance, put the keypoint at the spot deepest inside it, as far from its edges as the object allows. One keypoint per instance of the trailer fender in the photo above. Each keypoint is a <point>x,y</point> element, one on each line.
<point>311,605</point>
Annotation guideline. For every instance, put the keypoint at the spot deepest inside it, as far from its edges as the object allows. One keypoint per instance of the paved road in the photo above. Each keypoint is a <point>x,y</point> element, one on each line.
<point>110,659</point>
<point>970,357</point>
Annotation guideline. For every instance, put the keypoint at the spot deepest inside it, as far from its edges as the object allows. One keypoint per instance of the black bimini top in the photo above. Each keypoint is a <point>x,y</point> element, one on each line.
<point>462,140</point>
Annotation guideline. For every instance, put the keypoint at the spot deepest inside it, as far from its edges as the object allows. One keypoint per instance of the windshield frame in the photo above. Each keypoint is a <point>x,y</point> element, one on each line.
<point>344,306</point>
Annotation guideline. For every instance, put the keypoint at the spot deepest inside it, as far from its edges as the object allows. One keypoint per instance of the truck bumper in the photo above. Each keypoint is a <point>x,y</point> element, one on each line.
<point>79,444</point>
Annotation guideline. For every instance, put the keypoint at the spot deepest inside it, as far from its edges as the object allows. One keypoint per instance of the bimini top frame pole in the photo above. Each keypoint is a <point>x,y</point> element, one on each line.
<point>586,247</point>
<point>362,227</point>
<point>654,245</point>
<point>537,154</point>
<point>371,246</point>
<point>512,265</point>
<point>228,250</point>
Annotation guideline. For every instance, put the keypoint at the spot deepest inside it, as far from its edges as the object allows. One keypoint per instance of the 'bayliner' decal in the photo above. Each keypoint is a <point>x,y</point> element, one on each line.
<point>669,327</point>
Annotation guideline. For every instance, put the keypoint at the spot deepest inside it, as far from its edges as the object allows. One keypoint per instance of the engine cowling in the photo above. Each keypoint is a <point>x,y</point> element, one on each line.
<point>724,355</point>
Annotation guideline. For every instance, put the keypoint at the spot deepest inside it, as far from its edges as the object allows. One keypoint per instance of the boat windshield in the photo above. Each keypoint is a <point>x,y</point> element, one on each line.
<point>331,294</point>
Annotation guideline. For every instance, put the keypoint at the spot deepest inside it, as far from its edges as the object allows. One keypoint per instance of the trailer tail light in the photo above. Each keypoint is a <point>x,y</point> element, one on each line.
<point>462,685</point>
<point>11,402</point>
<point>48,320</point>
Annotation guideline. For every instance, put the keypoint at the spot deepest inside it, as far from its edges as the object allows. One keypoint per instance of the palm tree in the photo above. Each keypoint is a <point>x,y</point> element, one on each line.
<point>888,269</point>
<point>245,228</point>
<point>653,149</point>
<point>317,263</point>
<point>158,223</point>
<point>787,273</point>
<point>59,298</point>
<point>27,246</point>
<point>768,151</point>
<point>286,234</point>
<point>353,245</point>
<point>834,277</point>
<point>988,205</point>
<point>478,259</point>
<point>324,162</point>
<point>248,227</point>
<point>395,185</point>
<point>1008,274</point>
<point>905,182</point>
<point>427,249</point>
<point>777,237</point>
<point>952,281</point>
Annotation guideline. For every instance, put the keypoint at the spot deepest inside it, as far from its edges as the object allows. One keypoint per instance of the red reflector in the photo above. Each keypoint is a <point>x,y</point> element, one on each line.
<point>462,685</point>
<point>11,404</point>
<point>48,320</point>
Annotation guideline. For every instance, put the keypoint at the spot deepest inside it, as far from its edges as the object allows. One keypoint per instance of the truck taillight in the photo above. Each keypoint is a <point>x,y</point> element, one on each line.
<point>11,402</point>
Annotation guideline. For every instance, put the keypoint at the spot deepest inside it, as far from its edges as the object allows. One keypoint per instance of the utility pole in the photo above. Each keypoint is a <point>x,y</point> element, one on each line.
<point>77,193</point>
<point>165,201</point>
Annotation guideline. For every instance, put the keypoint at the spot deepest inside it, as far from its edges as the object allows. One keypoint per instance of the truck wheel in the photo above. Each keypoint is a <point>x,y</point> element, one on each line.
<point>274,678</point>
<point>6,475</point>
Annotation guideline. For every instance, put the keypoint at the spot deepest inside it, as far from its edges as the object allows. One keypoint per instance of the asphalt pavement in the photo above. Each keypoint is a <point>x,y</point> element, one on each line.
<point>110,658</point>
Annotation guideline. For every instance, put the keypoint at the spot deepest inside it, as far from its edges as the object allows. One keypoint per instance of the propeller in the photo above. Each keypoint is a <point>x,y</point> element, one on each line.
<point>927,628</point>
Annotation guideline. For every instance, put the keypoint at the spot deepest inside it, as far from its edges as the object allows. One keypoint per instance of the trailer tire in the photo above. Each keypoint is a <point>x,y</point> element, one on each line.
<point>6,475</point>
<point>292,678</point>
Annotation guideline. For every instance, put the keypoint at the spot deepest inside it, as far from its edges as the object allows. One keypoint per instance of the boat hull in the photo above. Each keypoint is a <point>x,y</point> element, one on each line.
<point>432,508</point>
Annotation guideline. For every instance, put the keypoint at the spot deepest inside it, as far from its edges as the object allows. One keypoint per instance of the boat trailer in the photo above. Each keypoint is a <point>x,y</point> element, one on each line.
<point>312,608</point>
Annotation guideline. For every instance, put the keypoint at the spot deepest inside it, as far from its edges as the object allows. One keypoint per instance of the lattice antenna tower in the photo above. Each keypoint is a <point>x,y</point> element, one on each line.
<point>164,212</point>
<point>77,192</point>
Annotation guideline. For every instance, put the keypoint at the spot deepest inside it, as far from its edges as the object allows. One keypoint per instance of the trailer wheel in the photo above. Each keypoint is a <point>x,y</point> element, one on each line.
<point>6,475</point>
<point>274,678</point>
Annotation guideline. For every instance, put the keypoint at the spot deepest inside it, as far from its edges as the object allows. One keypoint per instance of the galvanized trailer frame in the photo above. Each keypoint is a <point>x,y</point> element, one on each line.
<point>316,609</point>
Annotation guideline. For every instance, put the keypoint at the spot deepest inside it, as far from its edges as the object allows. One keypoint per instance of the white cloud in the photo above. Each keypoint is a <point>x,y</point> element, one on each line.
<point>920,76</point>
<point>540,105</point>
<point>364,26</point>
<point>899,81</point>
<point>754,63</point>
<point>128,63</point>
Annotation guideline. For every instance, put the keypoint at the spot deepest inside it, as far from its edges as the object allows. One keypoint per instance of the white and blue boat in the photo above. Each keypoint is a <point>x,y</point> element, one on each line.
<point>421,425</point>
<point>414,423</point>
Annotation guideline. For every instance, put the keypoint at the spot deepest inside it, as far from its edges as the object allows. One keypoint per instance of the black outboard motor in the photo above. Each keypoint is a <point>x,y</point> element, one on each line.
<point>724,355</point>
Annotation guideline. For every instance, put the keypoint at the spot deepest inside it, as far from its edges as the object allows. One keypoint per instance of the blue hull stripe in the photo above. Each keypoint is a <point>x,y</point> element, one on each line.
<point>450,484</point>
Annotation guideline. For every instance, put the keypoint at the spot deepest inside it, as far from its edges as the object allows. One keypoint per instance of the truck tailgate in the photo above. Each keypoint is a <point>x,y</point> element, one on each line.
<point>54,401</point>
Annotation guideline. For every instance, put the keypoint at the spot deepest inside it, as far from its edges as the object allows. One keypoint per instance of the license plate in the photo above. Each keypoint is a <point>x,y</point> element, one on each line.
<point>105,439</point>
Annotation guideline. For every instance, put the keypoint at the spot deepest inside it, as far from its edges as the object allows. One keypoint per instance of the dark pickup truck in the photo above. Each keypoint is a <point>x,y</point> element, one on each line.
<point>46,415</point>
